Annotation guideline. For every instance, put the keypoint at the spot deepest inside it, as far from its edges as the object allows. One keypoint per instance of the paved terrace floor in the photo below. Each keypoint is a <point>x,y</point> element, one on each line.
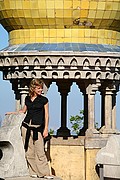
<point>30,178</point>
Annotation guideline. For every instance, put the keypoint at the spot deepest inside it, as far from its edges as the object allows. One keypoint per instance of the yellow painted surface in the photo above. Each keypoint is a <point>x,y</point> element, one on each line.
<point>68,15</point>
<point>68,162</point>
<point>73,162</point>
<point>91,164</point>
<point>100,36</point>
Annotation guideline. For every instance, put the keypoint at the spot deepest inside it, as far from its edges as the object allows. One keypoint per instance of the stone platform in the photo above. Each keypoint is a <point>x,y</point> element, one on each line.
<point>30,178</point>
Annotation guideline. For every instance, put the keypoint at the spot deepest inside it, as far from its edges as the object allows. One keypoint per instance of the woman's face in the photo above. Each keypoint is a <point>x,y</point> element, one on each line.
<point>38,90</point>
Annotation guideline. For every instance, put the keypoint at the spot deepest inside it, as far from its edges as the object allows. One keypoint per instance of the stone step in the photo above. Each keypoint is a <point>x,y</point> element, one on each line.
<point>30,178</point>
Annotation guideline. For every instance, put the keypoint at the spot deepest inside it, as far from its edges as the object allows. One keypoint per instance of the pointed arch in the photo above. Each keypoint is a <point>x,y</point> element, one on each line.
<point>98,75</point>
<point>55,75</point>
<point>108,63</point>
<point>16,74</point>
<point>98,63</point>
<point>86,63</point>
<point>36,61</point>
<point>107,76</point>
<point>24,74</point>
<point>66,75</point>
<point>60,62</point>
<point>73,62</point>
<point>33,74</point>
<point>25,61</point>
<point>116,76</point>
<point>88,75</point>
<point>1,62</point>
<point>7,61</point>
<point>43,74</point>
<point>117,63</point>
<point>48,62</point>
<point>77,75</point>
<point>15,61</point>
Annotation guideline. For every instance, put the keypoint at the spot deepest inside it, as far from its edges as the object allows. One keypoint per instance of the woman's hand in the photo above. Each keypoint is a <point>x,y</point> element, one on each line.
<point>8,113</point>
<point>45,133</point>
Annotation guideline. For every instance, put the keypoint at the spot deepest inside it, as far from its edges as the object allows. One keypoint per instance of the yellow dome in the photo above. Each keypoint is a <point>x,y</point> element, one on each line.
<point>79,15</point>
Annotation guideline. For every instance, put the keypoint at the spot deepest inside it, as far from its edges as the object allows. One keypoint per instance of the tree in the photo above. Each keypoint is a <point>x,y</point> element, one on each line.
<point>51,131</point>
<point>77,122</point>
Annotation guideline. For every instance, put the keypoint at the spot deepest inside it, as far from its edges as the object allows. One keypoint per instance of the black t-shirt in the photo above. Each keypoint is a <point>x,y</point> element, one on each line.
<point>35,110</point>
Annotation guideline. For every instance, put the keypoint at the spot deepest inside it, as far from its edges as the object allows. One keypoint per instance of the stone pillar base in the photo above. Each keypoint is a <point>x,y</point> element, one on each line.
<point>92,133</point>
<point>82,132</point>
<point>105,130</point>
<point>63,131</point>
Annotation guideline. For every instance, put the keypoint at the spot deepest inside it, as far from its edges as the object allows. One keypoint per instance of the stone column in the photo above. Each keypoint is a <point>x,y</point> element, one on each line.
<point>23,94</point>
<point>17,98</point>
<point>109,109</point>
<point>102,109</point>
<point>46,86</point>
<point>114,105</point>
<point>114,110</point>
<point>90,91</point>
<point>63,88</point>
<point>83,90</point>
<point>15,83</point>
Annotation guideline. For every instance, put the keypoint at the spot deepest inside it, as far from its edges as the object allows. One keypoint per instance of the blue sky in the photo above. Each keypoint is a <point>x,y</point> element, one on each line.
<point>75,98</point>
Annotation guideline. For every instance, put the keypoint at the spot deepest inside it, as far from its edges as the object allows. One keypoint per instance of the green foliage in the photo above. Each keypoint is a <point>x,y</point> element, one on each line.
<point>77,122</point>
<point>96,125</point>
<point>51,131</point>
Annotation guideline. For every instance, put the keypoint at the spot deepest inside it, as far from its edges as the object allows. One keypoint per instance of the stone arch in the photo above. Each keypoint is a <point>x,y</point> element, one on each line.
<point>16,74</point>
<point>33,74</point>
<point>107,75</point>
<point>97,63</point>
<point>60,63</point>
<point>66,75</point>
<point>25,61</point>
<point>116,76</point>
<point>43,74</point>
<point>88,75</point>
<point>9,75</point>
<point>86,63</point>
<point>1,62</point>
<point>108,63</point>
<point>77,75</point>
<point>7,61</point>
<point>24,74</point>
<point>36,61</point>
<point>48,62</point>
<point>98,75</point>
<point>117,63</point>
<point>15,61</point>
<point>55,75</point>
<point>73,62</point>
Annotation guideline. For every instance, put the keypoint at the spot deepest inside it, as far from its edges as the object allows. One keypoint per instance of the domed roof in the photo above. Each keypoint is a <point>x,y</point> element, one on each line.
<point>61,21</point>
<point>22,14</point>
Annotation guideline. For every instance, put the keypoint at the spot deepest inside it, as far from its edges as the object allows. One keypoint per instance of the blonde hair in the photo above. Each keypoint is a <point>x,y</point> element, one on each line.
<point>33,84</point>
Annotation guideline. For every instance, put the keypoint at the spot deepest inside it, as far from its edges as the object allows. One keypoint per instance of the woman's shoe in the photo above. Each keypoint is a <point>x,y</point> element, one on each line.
<point>48,177</point>
<point>34,176</point>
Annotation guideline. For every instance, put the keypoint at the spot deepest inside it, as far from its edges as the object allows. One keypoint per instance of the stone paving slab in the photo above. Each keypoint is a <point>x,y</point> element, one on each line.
<point>30,178</point>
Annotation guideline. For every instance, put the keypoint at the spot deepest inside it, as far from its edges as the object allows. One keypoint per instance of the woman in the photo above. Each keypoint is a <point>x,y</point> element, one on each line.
<point>34,129</point>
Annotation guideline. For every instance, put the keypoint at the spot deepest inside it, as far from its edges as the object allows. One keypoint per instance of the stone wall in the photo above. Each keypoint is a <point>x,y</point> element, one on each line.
<point>71,161</point>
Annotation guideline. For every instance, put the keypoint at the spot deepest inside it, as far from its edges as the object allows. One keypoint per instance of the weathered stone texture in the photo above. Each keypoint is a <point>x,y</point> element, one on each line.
<point>12,162</point>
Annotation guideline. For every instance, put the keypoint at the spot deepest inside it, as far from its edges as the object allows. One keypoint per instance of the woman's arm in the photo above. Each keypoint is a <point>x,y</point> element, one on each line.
<point>45,132</point>
<point>23,110</point>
